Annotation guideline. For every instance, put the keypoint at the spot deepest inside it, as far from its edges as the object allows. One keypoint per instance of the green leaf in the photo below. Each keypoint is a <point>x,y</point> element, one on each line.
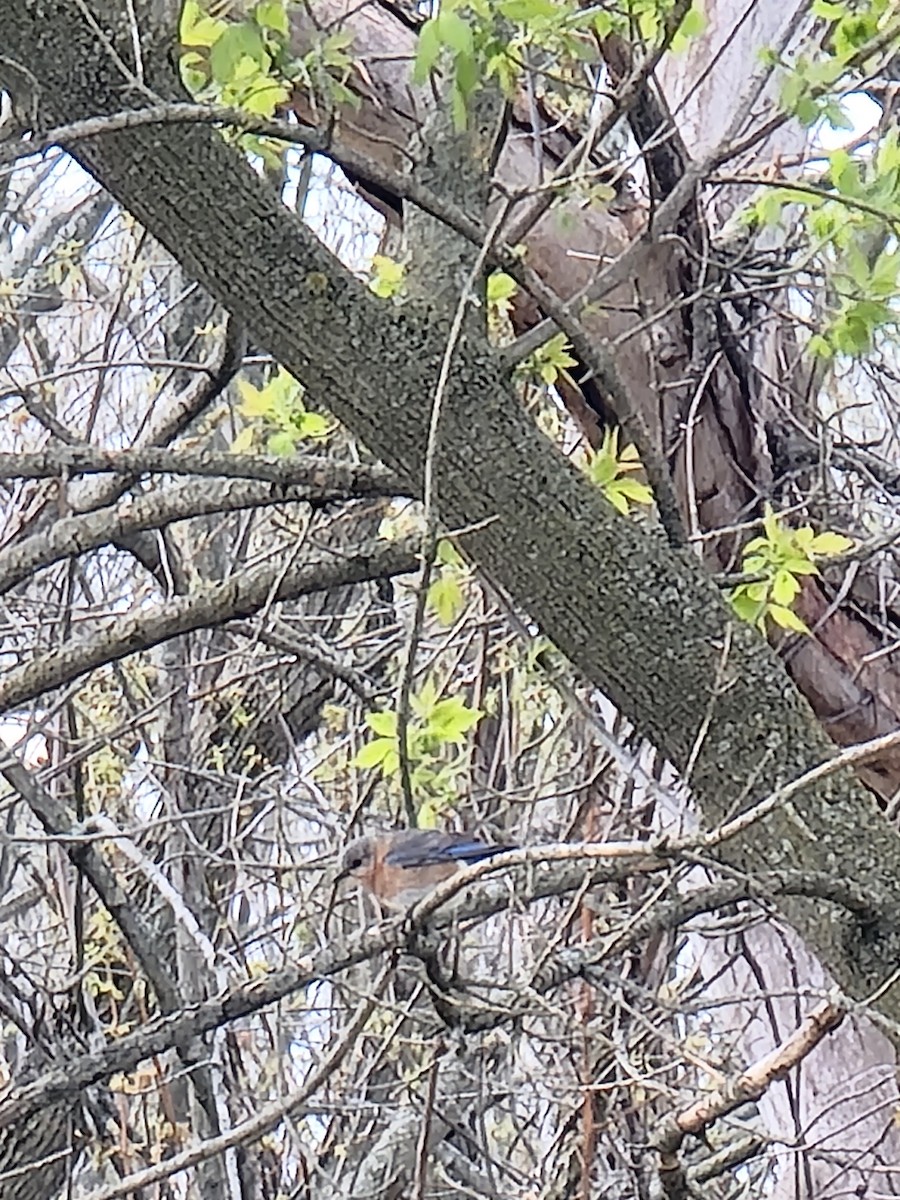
<point>748,610</point>
<point>237,42</point>
<point>451,719</point>
<point>198,29</point>
<point>271,14</point>
<point>387,276</point>
<point>454,32</point>
<point>425,699</point>
<point>522,12</point>
<point>448,554</point>
<point>458,108</point>
<point>755,563</point>
<point>312,425</point>
<point>845,173</point>
<point>888,156</point>
<point>617,500</point>
<point>792,88</point>
<point>601,471</point>
<point>428,50</point>
<point>374,753</point>
<point>603,24</point>
<point>634,490</point>
<point>263,99</point>
<point>334,50</point>
<point>391,764</point>
<point>244,440</point>
<point>819,347</point>
<point>786,618</point>
<point>801,566</point>
<point>770,524</point>
<point>190,15</point>
<point>429,814</point>
<point>281,444</point>
<point>501,289</point>
<point>837,115</point>
<point>607,469</point>
<point>383,723</point>
<point>648,23</point>
<point>807,111</point>
<point>468,74</point>
<point>446,598</point>
<point>784,588</point>
<point>768,207</point>
<point>254,402</point>
<point>826,545</point>
<point>694,23</point>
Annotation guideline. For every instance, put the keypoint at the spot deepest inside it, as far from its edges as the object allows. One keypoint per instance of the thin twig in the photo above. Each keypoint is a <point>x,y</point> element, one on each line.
<point>254,1127</point>
<point>430,534</point>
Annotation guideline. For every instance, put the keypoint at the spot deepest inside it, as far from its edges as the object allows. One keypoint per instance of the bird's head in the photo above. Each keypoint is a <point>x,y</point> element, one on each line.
<point>357,859</point>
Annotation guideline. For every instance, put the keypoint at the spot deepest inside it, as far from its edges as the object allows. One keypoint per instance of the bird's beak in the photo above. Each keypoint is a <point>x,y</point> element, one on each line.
<point>344,871</point>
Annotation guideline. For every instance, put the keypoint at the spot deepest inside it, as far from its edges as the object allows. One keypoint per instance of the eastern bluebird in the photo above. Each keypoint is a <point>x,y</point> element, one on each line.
<point>401,868</point>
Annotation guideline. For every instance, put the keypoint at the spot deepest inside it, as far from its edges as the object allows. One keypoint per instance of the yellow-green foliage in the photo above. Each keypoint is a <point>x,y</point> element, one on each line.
<point>609,469</point>
<point>473,41</point>
<point>247,64</point>
<point>236,62</point>
<point>278,412</point>
<point>387,277</point>
<point>549,361</point>
<point>446,594</point>
<point>437,724</point>
<point>850,210</point>
<point>777,560</point>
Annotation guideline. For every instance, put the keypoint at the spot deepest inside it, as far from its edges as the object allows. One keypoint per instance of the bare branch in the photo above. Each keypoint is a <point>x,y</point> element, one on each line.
<point>267,1118</point>
<point>211,604</point>
<point>71,536</point>
<point>323,475</point>
<point>750,1085</point>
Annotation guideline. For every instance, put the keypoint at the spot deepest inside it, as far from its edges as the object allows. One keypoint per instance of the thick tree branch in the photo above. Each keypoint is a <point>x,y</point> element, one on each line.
<point>268,1117</point>
<point>540,872</point>
<point>320,475</point>
<point>75,535</point>
<point>211,604</point>
<point>123,1054</point>
<point>750,1085</point>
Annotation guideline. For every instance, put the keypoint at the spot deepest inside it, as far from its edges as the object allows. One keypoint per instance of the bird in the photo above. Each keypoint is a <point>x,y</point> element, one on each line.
<point>401,868</point>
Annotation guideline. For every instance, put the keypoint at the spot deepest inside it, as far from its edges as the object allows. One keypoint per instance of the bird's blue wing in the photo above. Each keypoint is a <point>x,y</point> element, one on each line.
<point>427,847</point>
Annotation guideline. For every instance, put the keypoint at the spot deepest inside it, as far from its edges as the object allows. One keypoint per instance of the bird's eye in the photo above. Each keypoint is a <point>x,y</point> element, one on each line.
<point>354,863</point>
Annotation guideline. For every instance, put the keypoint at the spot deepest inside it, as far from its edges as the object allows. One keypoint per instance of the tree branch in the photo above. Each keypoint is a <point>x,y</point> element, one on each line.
<point>543,871</point>
<point>162,1034</point>
<point>71,536</point>
<point>750,1085</point>
<point>318,474</point>
<point>211,604</point>
<point>57,820</point>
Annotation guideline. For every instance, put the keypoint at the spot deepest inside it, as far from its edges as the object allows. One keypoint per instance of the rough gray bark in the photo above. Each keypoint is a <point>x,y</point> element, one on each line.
<point>156,510</point>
